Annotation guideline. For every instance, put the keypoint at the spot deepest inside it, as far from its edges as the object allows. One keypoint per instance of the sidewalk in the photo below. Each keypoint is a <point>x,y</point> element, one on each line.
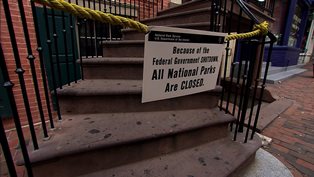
<point>293,131</point>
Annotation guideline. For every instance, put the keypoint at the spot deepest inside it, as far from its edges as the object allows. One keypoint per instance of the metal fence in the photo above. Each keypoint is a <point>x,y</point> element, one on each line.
<point>80,38</point>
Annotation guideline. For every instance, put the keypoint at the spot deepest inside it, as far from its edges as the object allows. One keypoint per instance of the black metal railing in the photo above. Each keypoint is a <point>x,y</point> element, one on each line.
<point>62,40</point>
<point>241,85</point>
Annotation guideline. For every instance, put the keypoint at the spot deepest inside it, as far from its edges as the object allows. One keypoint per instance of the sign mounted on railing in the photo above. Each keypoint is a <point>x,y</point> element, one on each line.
<point>180,62</point>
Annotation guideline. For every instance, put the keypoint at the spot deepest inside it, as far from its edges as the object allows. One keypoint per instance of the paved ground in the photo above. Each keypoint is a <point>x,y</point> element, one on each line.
<point>293,131</point>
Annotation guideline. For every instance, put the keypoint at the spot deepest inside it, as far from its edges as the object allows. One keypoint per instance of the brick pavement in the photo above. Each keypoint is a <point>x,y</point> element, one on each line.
<point>293,131</point>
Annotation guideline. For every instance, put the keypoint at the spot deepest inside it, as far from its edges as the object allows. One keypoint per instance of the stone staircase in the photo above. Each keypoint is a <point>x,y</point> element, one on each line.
<point>107,132</point>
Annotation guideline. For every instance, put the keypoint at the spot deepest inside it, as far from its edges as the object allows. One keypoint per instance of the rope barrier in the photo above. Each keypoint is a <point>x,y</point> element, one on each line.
<point>83,12</point>
<point>96,15</point>
<point>260,29</point>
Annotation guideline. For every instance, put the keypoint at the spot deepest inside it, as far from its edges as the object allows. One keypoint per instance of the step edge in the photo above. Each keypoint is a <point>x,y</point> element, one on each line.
<point>36,159</point>
<point>121,91</point>
<point>129,42</point>
<point>176,14</point>
<point>181,5</point>
<point>112,60</point>
<point>247,155</point>
<point>172,25</point>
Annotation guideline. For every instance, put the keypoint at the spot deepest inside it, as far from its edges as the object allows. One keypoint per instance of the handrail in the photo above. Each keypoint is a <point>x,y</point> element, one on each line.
<point>251,15</point>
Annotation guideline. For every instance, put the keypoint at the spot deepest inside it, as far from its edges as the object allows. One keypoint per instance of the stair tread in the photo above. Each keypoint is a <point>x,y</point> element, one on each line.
<point>205,9</point>
<point>87,132</point>
<point>113,60</point>
<point>111,43</point>
<point>105,87</point>
<point>174,25</point>
<point>219,158</point>
<point>102,86</point>
<point>180,6</point>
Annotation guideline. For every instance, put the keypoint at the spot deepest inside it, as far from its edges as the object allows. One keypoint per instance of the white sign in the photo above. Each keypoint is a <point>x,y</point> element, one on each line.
<point>180,62</point>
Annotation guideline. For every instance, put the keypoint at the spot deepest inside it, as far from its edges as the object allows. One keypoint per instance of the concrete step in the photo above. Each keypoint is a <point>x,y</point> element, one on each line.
<point>274,69</point>
<point>88,143</point>
<point>191,16</point>
<point>131,34</point>
<point>269,113</point>
<point>278,77</point>
<point>113,68</point>
<point>105,96</point>
<point>195,4</point>
<point>220,158</point>
<point>129,48</point>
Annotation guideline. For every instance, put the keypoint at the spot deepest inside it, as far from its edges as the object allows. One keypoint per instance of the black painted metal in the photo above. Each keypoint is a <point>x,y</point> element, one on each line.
<point>124,3</point>
<point>244,77</point>
<point>3,139</point>
<point>95,31</point>
<point>105,6</point>
<point>115,6</point>
<point>247,91</point>
<point>262,88</point>
<point>42,67</point>
<point>31,59</point>
<point>79,26</point>
<point>256,80</point>
<point>233,64</point>
<point>49,43</point>
<point>64,34</point>
<point>55,42</point>
<point>8,85</point>
<point>20,71</point>
<point>73,47</point>
<point>134,10</point>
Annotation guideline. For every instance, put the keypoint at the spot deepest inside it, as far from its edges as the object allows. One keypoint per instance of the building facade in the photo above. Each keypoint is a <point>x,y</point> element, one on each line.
<point>294,30</point>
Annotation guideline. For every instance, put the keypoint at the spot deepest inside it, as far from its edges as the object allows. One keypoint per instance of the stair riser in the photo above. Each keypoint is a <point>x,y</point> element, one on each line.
<point>124,50</point>
<point>132,103</point>
<point>201,16</point>
<point>184,8</point>
<point>114,71</point>
<point>134,35</point>
<point>78,164</point>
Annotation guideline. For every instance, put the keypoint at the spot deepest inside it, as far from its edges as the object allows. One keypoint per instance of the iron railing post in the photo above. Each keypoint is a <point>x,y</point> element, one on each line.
<point>42,67</point>
<point>20,71</point>
<point>51,62</point>
<point>8,85</point>
<point>31,59</point>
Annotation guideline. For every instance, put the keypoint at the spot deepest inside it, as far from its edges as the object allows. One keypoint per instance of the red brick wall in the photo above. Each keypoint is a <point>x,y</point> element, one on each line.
<point>10,60</point>
<point>280,12</point>
<point>148,4</point>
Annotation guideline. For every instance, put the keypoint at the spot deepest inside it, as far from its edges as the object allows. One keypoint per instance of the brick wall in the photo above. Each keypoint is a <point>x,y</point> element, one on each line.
<point>146,7</point>
<point>280,12</point>
<point>10,60</point>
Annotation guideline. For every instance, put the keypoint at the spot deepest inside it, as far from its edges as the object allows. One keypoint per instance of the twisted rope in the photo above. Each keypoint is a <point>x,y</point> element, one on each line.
<point>83,12</point>
<point>260,29</point>
<point>96,15</point>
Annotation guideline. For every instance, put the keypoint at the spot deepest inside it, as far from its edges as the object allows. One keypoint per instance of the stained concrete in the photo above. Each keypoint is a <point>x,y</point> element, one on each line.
<point>265,165</point>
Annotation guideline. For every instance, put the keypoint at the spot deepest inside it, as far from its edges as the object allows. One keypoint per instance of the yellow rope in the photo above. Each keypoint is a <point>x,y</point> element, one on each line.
<point>83,12</point>
<point>260,29</point>
<point>97,15</point>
